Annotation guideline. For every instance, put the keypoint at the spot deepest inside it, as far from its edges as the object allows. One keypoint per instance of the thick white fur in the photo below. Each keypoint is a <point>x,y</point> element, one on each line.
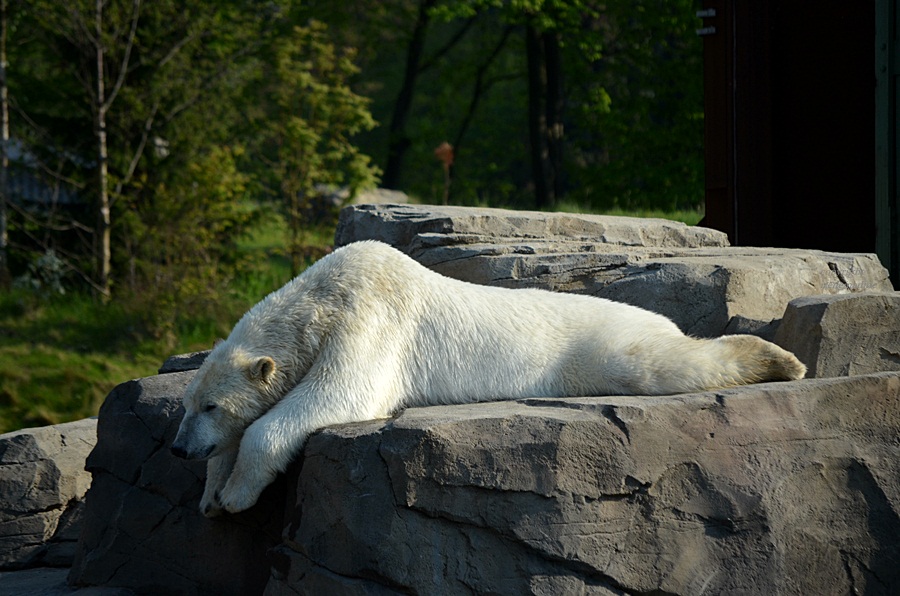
<point>367,331</point>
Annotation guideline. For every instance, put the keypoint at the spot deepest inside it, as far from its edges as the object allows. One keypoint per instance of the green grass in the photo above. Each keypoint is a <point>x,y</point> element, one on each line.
<point>60,357</point>
<point>689,216</point>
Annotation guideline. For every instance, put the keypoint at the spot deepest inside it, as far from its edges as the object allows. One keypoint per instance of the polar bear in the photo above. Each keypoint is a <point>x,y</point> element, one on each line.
<point>367,331</point>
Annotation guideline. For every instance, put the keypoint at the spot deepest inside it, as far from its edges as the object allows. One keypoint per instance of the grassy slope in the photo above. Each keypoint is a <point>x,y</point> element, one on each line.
<point>60,357</point>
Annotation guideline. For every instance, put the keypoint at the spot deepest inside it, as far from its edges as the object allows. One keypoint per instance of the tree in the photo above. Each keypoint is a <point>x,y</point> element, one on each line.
<point>613,116</point>
<point>544,23</point>
<point>143,70</point>
<point>104,40</point>
<point>416,64</point>
<point>310,117</point>
<point>545,121</point>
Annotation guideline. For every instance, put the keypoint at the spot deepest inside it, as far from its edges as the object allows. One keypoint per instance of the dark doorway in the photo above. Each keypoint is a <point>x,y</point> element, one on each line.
<point>790,122</point>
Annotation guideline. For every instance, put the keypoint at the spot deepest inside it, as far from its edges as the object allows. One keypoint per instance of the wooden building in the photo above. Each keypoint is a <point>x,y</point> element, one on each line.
<point>801,127</point>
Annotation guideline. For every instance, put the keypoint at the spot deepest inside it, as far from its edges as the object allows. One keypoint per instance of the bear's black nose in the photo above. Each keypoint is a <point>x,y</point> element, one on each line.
<point>179,451</point>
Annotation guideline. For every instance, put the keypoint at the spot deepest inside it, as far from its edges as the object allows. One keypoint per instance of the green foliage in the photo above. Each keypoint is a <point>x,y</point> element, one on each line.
<point>61,355</point>
<point>632,86</point>
<point>181,238</point>
<point>640,111</point>
<point>307,118</point>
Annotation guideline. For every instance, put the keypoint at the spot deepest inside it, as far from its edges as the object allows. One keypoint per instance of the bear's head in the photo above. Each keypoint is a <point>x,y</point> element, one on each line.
<point>230,390</point>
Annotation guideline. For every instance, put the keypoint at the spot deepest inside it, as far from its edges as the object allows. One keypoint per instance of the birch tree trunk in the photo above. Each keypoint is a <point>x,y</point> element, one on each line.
<point>102,234</point>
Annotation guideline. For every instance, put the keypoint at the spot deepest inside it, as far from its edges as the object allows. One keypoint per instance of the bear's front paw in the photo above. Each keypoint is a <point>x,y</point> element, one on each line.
<point>234,500</point>
<point>210,505</point>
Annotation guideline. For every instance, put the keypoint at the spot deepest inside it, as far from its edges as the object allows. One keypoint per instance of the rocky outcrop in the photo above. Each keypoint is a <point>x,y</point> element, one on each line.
<point>771,489</point>
<point>142,528</point>
<point>850,334</point>
<point>786,488</point>
<point>686,273</point>
<point>776,488</point>
<point>414,228</point>
<point>42,488</point>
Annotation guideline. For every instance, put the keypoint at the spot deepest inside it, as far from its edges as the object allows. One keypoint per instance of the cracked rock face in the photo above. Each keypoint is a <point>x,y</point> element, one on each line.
<point>42,488</point>
<point>687,273</point>
<point>142,528</point>
<point>408,227</point>
<point>781,488</point>
<point>843,335</point>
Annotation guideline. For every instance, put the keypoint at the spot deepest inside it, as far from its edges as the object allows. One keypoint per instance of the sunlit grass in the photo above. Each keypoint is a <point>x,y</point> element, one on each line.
<point>689,216</point>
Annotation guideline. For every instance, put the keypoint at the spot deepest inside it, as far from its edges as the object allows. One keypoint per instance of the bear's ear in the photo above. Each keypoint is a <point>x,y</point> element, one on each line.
<point>261,370</point>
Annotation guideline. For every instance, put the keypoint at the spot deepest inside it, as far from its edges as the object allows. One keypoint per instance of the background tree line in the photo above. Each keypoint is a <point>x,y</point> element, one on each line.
<point>139,139</point>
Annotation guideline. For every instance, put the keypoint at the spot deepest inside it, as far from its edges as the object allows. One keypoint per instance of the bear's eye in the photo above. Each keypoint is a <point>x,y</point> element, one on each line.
<point>209,407</point>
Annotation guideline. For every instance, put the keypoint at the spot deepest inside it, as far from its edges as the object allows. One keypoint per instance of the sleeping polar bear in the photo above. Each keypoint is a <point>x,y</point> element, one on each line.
<point>367,331</point>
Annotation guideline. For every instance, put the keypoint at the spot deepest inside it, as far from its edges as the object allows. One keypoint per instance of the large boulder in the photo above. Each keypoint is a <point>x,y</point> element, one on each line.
<point>848,334</point>
<point>410,227</point>
<point>686,273</point>
<point>772,489</point>
<point>142,527</point>
<point>42,489</point>
<point>776,488</point>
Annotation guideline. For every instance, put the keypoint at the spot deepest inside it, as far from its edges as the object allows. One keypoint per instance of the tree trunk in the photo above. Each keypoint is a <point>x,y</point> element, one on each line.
<point>553,109</point>
<point>537,119</point>
<point>479,89</point>
<point>4,153</point>
<point>398,141</point>
<point>102,233</point>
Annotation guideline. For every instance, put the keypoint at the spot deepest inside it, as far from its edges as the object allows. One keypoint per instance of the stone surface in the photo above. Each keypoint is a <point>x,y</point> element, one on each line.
<point>405,226</point>
<point>183,362</point>
<point>49,582</point>
<point>778,488</point>
<point>42,488</point>
<point>842,335</point>
<point>142,528</point>
<point>786,488</point>
<point>683,272</point>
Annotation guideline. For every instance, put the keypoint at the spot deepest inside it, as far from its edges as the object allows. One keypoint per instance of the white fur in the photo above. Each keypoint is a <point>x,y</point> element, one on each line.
<point>367,331</point>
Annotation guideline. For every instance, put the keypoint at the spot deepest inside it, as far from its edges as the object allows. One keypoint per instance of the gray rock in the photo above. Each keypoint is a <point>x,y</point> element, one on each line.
<point>774,488</point>
<point>741,325</point>
<point>404,225</point>
<point>683,272</point>
<point>686,273</point>
<point>49,582</point>
<point>42,488</point>
<point>142,528</point>
<point>183,362</point>
<point>842,335</point>
<point>783,488</point>
<point>704,291</point>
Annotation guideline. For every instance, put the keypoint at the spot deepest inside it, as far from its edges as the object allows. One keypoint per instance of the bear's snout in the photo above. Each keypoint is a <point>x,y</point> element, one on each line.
<point>183,453</point>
